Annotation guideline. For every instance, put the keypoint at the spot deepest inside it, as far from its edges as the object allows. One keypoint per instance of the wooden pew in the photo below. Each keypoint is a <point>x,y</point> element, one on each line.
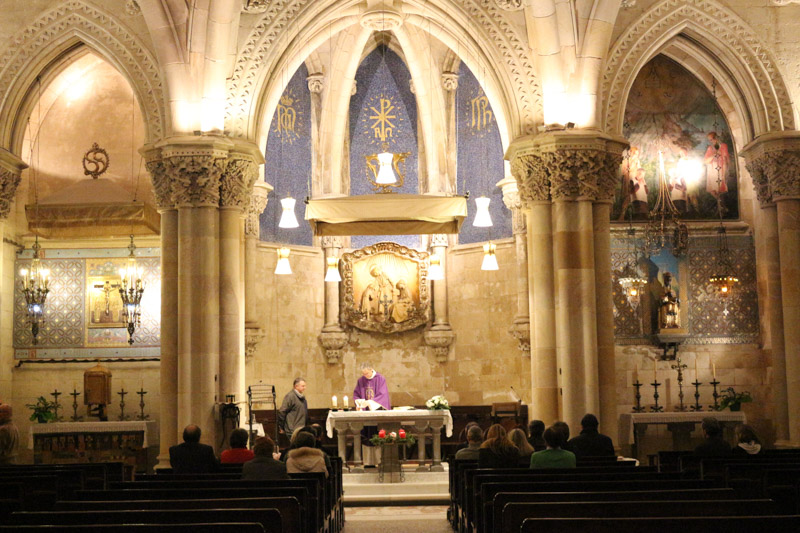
<point>704,524</point>
<point>514,514</point>
<point>270,519</point>
<point>289,508</point>
<point>238,527</point>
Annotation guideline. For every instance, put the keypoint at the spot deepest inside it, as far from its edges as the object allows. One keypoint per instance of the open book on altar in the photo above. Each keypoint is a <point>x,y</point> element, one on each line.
<point>370,405</point>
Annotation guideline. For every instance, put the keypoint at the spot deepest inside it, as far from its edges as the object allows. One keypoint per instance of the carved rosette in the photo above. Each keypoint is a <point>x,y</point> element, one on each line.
<point>9,181</point>
<point>440,338</point>
<point>196,179</point>
<point>252,338</point>
<point>533,184</point>
<point>333,342</point>
<point>450,81</point>
<point>236,182</point>
<point>315,83</point>
<point>521,330</point>
<point>257,204</point>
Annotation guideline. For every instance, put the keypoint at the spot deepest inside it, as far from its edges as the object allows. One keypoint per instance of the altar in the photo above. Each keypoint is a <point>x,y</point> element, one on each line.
<point>421,423</point>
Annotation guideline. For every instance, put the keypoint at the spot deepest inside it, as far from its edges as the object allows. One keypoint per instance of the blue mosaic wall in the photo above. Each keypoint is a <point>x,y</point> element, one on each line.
<point>480,159</point>
<point>383,111</point>
<point>288,161</point>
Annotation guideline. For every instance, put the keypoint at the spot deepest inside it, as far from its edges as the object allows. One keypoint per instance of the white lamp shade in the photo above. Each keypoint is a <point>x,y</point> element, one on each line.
<point>332,274</point>
<point>283,267</point>
<point>489,258</point>
<point>435,272</point>
<point>385,173</point>
<point>482,217</point>
<point>288,220</point>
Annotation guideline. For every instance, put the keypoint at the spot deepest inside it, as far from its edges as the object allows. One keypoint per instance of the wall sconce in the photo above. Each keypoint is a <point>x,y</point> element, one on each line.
<point>385,173</point>
<point>332,274</point>
<point>283,268</point>
<point>435,270</point>
<point>489,257</point>
<point>288,220</point>
<point>482,217</point>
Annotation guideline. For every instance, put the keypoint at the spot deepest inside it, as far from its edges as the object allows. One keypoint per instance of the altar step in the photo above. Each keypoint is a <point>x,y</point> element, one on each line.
<point>419,488</point>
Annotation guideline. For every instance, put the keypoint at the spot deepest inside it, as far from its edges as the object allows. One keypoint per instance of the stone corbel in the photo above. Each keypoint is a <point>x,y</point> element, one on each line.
<point>11,168</point>
<point>333,340</point>
<point>440,338</point>
<point>252,338</point>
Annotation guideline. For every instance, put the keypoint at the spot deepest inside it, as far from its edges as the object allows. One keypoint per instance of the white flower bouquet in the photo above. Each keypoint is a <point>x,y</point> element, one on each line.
<point>438,402</point>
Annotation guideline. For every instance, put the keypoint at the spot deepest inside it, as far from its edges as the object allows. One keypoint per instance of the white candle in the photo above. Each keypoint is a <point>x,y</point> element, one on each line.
<point>636,372</point>
<point>655,370</point>
<point>334,401</point>
<point>714,370</point>
<point>346,403</point>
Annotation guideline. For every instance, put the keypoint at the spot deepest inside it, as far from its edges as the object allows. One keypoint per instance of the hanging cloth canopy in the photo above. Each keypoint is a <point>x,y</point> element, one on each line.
<point>386,214</point>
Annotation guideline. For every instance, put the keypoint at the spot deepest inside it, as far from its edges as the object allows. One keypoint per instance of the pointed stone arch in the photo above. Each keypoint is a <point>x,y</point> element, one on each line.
<point>57,32</point>
<point>718,29</point>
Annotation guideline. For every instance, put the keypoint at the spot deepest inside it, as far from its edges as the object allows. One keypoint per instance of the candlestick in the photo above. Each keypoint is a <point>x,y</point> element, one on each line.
<point>75,395</point>
<point>638,407</point>
<point>679,366</point>
<point>656,408</point>
<point>122,394</point>
<point>715,407</point>
<point>696,406</point>
<point>56,406</point>
<point>655,370</point>
<point>334,401</point>
<point>142,392</point>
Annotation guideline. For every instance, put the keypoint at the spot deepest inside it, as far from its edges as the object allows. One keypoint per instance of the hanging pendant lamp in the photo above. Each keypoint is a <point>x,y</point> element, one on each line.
<point>385,173</point>
<point>288,219</point>
<point>489,257</point>
<point>482,217</point>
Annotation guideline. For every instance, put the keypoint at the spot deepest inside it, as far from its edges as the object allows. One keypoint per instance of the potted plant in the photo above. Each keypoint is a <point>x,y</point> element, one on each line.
<point>43,410</point>
<point>733,400</point>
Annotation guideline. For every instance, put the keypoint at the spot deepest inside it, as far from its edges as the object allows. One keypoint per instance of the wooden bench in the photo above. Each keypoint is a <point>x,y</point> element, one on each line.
<point>514,514</point>
<point>704,524</point>
<point>238,527</point>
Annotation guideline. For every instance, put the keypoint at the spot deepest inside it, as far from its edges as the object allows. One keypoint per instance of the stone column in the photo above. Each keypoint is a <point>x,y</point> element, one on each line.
<point>168,386</point>
<point>332,338</point>
<point>440,336</point>
<point>521,328</point>
<point>450,84</point>
<point>777,156</point>
<point>252,228</point>
<point>534,190</point>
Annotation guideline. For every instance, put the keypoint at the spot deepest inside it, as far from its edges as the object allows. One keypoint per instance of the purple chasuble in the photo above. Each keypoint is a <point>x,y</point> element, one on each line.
<point>373,389</point>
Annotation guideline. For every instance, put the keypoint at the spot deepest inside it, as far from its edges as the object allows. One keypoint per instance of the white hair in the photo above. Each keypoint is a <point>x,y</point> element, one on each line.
<point>367,366</point>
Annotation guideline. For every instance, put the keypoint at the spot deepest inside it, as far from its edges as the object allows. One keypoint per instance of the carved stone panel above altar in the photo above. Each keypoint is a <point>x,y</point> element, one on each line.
<point>385,288</point>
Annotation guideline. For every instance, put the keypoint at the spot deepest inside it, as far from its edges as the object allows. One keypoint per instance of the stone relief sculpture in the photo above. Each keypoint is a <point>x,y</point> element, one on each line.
<point>385,288</point>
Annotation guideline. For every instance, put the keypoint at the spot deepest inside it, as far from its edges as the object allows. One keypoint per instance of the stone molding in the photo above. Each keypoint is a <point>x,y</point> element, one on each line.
<point>440,338</point>
<point>711,19</point>
<point>11,168</point>
<point>783,2</point>
<point>66,23</point>
<point>450,81</point>
<point>258,202</point>
<point>333,341</point>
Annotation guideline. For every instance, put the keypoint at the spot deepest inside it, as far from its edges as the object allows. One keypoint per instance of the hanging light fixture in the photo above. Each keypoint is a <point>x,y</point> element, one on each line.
<point>482,217</point>
<point>435,270</point>
<point>332,274</point>
<point>288,219</point>
<point>283,267</point>
<point>664,228</point>
<point>630,280</point>
<point>35,290</point>
<point>385,173</point>
<point>489,257</point>
<point>131,290</point>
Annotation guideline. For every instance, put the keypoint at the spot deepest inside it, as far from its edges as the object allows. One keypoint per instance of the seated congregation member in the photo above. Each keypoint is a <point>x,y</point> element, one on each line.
<point>591,443</point>
<point>747,442</point>
<point>713,444</point>
<point>554,456</point>
<point>563,427</point>
<point>304,457</point>
<point>474,440</point>
<point>9,436</point>
<point>497,451</point>
<point>464,435</point>
<point>191,457</point>
<point>535,430</point>
<point>263,465</point>
<point>238,452</point>
<point>520,440</point>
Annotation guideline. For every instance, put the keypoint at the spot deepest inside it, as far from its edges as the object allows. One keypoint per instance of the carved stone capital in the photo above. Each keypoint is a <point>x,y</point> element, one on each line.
<point>162,184</point>
<point>236,182</point>
<point>509,5</point>
<point>11,168</point>
<point>773,160</point>
<point>333,341</point>
<point>439,240</point>
<point>252,338</point>
<point>521,330</point>
<point>332,242</point>
<point>195,179</point>
<point>758,173</point>
<point>783,168</point>
<point>257,204</point>
<point>450,81</point>
<point>533,184</point>
<point>315,83</point>
<point>513,201</point>
<point>440,338</point>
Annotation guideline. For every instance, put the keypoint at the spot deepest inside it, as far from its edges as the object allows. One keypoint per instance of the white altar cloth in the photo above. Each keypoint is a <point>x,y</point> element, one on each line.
<point>403,417</point>
<point>91,427</point>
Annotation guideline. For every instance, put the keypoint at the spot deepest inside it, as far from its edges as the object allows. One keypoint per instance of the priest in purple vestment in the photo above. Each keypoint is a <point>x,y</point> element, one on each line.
<point>372,386</point>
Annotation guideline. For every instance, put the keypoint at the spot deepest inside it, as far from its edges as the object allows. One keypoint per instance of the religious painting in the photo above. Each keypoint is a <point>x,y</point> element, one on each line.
<point>385,288</point>
<point>104,304</point>
<point>678,136</point>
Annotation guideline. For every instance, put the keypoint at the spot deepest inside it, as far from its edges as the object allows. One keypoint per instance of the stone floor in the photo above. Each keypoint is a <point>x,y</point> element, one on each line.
<point>400,519</point>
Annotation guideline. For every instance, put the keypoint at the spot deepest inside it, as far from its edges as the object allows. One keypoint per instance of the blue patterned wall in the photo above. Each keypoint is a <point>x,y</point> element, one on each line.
<point>480,159</point>
<point>288,161</point>
<point>383,110</point>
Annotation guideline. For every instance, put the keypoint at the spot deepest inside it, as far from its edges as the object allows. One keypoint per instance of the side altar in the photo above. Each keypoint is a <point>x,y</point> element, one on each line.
<point>421,423</point>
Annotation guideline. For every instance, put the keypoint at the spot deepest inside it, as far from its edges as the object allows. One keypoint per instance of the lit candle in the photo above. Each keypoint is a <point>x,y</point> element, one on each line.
<point>636,372</point>
<point>695,370</point>
<point>655,370</point>
<point>714,370</point>
<point>334,401</point>
<point>346,403</point>
<point>74,386</point>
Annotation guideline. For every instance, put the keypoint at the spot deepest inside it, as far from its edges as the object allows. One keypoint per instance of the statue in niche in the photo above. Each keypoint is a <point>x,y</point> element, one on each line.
<point>669,314</point>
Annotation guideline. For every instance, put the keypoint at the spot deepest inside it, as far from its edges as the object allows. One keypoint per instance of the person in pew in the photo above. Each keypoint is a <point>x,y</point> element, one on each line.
<point>464,436</point>
<point>747,442</point>
<point>9,436</point>
<point>305,457</point>
<point>474,440</point>
<point>263,465</point>
<point>191,457</point>
<point>238,452</point>
<point>535,438</point>
<point>563,427</point>
<point>591,443</point>
<point>520,440</point>
<point>713,445</point>
<point>497,451</point>
<point>293,413</point>
<point>554,456</point>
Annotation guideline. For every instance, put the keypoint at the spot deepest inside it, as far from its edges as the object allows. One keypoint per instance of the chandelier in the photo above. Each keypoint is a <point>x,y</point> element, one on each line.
<point>35,290</point>
<point>630,280</point>
<point>664,228</point>
<point>131,290</point>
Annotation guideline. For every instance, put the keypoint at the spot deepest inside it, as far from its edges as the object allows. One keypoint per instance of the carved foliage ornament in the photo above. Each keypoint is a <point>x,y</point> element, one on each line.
<point>385,288</point>
<point>195,179</point>
<point>9,181</point>
<point>782,168</point>
<point>237,182</point>
<point>257,204</point>
<point>758,172</point>
<point>532,180</point>
<point>162,185</point>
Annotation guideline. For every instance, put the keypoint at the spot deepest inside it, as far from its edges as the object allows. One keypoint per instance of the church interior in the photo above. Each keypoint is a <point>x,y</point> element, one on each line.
<point>536,209</point>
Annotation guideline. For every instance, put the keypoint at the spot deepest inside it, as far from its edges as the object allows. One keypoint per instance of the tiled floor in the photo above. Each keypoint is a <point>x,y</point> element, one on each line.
<point>400,519</point>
